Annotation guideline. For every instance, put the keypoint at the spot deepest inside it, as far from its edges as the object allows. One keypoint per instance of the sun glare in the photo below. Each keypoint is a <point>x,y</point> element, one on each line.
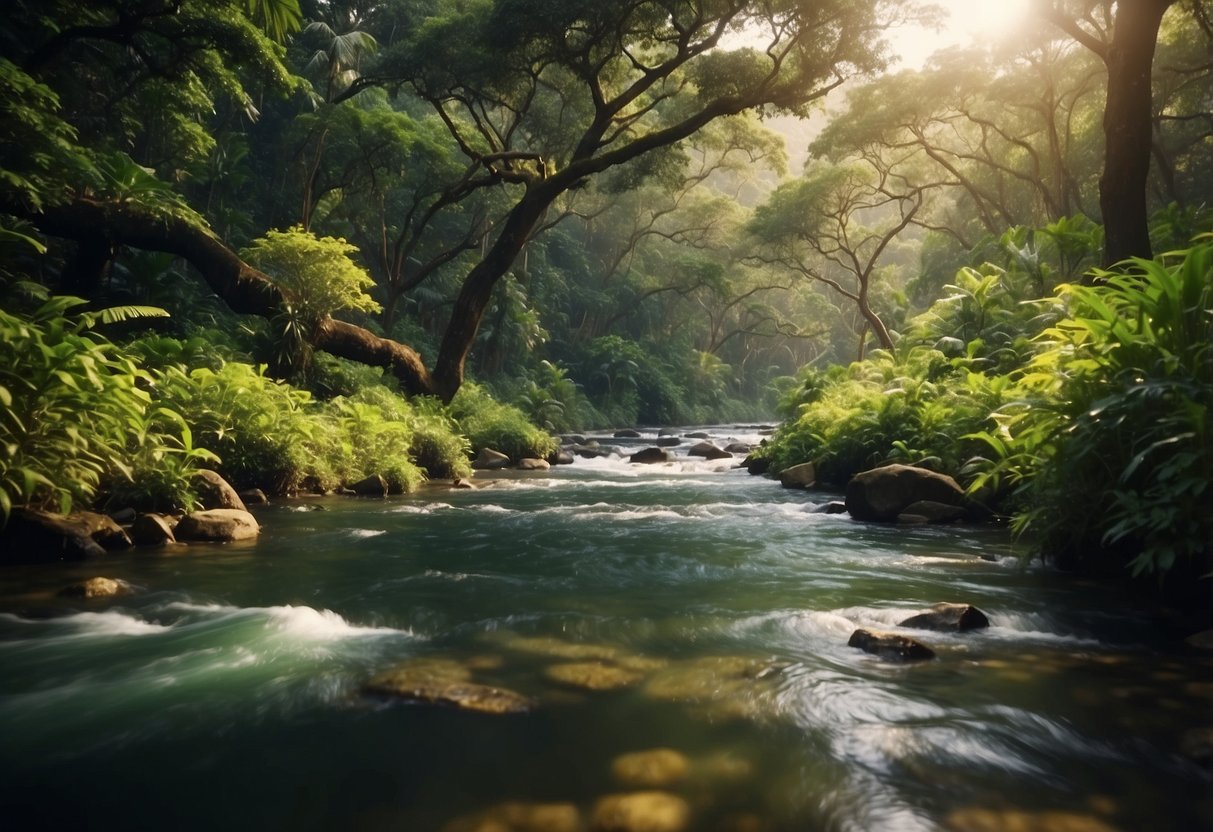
<point>964,22</point>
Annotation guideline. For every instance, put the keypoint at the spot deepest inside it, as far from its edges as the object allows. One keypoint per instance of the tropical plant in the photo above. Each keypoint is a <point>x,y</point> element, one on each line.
<point>1109,444</point>
<point>54,370</point>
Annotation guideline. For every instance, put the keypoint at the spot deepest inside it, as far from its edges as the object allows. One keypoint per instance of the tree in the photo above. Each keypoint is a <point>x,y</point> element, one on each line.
<point>834,226</point>
<point>545,96</point>
<point>1124,35</point>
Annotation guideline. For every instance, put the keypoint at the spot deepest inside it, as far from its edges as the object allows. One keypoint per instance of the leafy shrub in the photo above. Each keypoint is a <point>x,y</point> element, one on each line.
<point>74,413</point>
<point>1110,446</point>
<point>914,411</point>
<point>257,426</point>
<point>488,423</point>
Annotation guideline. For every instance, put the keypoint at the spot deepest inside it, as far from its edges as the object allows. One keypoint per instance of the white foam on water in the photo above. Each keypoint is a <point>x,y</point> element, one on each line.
<point>108,624</point>
<point>362,534</point>
<point>301,622</point>
<point>427,508</point>
<point>492,508</point>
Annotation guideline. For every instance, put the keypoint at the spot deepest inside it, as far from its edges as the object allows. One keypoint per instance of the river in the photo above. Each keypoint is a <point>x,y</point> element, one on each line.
<point>225,693</point>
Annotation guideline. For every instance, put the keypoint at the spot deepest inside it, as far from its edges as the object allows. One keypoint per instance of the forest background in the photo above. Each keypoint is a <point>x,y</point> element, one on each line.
<point>388,233</point>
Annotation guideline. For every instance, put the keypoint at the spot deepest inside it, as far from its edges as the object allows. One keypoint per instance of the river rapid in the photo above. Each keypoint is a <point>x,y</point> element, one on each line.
<point>225,693</point>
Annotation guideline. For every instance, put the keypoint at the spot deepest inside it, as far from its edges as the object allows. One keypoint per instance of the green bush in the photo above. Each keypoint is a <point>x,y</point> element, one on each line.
<point>76,415</point>
<point>488,423</point>
<point>1110,444</point>
<point>913,411</point>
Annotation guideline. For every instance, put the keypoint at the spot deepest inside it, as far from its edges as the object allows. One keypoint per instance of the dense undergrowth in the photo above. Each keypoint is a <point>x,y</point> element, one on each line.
<point>1085,414</point>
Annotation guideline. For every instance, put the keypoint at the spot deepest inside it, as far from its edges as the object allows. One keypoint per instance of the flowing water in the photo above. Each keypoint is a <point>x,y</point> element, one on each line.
<point>715,608</point>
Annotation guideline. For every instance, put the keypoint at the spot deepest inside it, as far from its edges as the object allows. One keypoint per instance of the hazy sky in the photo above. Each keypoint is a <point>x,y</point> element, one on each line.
<point>966,21</point>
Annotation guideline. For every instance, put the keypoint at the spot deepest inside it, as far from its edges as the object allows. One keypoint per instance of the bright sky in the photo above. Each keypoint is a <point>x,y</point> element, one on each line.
<point>965,22</point>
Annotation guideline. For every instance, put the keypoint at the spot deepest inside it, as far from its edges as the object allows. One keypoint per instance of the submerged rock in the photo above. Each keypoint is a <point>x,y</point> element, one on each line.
<point>697,435</point>
<point>627,433</point>
<point>653,769</point>
<point>739,448</point>
<point>445,682</point>
<point>215,492</point>
<point>833,507</point>
<point>462,483</point>
<point>883,493</point>
<point>650,456</point>
<point>596,675</point>
<point>97,588</point>
<point>1015,820</point>
<point>520,817</point>
<point>668,441</point>
<point>558,648</point>
<point>957,618</point>
<point>890,646</point>
<point>640,812</point>
<point>220,525</point>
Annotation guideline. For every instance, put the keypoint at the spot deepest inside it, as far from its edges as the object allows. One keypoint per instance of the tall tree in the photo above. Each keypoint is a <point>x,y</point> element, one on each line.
<point>545,96</point>
<point>1123,34</point>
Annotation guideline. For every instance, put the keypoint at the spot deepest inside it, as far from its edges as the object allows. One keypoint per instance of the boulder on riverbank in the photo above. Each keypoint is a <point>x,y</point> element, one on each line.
<point>881,494</point>
<point>35,536</point>
<point>490,460</point>
<point>955,618</point>
<point>533,465</point>
<point>372,486</point>
<point>219,525</point>
<point>756,465</point>
<point>215,492</point>
<point>152,530</point>
<point>254,497</point>
<point>561,456</point>
<point>803,475</point>
<point>890,646</point>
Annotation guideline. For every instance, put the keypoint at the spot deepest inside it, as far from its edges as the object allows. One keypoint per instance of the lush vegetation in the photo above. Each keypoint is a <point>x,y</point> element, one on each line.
<point>391,233</point>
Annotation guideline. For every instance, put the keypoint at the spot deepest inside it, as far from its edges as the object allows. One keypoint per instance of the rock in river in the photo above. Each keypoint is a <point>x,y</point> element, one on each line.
<point>34,536</point>
<point>438,683</point>
<point>490,460</point>
<point>640,812</point>
<point>516,816</point>
<point>883,493</point>
<point>956,618</point>
<point>656,768</point>
<point>217,525</point>
<point>890,646</point>
<point>96,588</point>
<point>708,451</point>
<point>650,456</point>
<point>592,675</point>
<point>215,492</point>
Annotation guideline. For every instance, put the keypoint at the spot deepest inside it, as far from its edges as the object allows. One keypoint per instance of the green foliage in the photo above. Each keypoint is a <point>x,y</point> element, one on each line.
<point>42,161</point>
<point>552,400</point>
<point>74,413</point>
<point>257,426</point>
<point>316,274</point>
<point>1109,445</point>
<point>488,423</point>
<point>883,410</point>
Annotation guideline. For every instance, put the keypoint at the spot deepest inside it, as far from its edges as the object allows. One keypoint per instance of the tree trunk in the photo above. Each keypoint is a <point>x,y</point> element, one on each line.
<point>477,290</point>
<point>243,288</point>
<point>1127,124</point>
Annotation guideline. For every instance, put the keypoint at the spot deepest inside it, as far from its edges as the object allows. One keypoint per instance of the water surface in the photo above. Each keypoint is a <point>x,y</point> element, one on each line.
<point>225,693</point>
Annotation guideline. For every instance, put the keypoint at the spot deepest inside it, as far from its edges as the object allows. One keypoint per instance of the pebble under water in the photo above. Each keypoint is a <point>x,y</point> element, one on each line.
<point>680,631</point>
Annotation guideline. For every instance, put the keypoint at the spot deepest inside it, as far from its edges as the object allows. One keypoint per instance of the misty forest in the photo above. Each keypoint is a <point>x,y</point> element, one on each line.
<point>607,415</point>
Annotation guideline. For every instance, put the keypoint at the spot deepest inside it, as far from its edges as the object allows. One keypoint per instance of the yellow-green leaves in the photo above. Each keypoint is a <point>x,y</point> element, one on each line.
<point>316,274</point>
